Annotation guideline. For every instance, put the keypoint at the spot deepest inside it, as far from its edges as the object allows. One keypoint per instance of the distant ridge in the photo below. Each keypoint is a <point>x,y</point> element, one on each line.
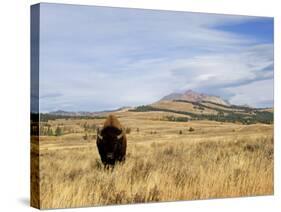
<point>68,113</point>
<point>85,113</point>
<point>186,106</point>
<point>193,96</point>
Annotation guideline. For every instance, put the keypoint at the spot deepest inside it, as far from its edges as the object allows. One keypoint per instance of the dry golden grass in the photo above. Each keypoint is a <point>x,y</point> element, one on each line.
<point>216,160</point>
<point>182,106</point>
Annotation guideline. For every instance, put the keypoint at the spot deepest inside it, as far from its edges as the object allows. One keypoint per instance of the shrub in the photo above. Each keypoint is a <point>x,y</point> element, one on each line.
<point>85,137</point>
<point>128,130</point>
<point>191,129</point>
<point>50,131</point>
<point>58,131</point>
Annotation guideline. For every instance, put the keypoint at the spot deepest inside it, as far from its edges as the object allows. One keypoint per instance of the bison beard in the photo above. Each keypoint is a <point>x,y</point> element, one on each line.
<point>112,142</point>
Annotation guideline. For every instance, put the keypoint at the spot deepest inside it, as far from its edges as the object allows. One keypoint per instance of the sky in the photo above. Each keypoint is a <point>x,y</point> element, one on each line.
<point>103,58</point>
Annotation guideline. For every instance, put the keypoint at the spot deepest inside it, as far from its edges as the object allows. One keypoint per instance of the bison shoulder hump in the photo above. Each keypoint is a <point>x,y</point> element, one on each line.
<point>112,121</point>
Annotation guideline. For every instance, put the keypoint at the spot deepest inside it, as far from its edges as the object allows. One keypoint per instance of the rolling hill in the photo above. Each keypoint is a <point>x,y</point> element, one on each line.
<point>186,106</point>
<point>197,106</point>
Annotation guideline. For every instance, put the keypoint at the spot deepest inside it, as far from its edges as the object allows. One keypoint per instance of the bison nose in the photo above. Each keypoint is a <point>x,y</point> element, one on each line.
<point>109,155</point>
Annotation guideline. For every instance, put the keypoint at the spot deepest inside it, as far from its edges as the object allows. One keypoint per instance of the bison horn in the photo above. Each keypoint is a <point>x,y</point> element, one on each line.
<point>99,136</point>
<point>119,136</point>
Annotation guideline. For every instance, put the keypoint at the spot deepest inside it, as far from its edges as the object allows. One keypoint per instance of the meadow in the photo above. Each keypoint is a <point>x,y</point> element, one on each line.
<point>166,161</point>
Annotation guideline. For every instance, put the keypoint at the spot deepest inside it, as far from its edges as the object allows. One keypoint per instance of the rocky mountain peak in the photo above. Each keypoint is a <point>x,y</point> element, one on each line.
<point>194,96</point>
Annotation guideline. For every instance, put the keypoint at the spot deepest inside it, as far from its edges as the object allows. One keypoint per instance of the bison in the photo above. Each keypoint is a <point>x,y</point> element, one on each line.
<point>111,142</point>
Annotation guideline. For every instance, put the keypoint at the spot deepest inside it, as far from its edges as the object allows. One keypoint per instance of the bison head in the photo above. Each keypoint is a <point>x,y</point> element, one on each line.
<point>111,141</point>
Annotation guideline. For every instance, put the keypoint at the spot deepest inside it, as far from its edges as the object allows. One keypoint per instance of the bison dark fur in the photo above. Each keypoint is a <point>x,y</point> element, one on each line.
<point>112,141</point>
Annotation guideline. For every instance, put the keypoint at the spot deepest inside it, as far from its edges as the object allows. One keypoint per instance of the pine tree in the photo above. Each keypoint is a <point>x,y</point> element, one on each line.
<point>58,131</point>
<point>50,132</point>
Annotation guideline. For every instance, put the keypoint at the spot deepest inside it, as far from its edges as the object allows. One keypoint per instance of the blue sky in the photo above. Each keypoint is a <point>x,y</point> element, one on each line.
<point>102,58</point>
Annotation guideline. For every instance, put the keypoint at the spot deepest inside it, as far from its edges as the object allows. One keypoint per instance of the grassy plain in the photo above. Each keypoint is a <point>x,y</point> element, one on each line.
<point>165,161</point>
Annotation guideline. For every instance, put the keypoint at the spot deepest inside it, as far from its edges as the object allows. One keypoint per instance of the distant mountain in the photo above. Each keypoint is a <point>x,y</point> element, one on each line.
<point>185,106</point>
<point>85,113</point>
<point>191,105</point>
<point>68,113</point>
<point>193,96</point>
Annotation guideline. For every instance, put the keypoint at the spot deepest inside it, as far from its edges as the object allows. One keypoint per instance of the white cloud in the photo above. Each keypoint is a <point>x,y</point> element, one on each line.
<point>256,93</point>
